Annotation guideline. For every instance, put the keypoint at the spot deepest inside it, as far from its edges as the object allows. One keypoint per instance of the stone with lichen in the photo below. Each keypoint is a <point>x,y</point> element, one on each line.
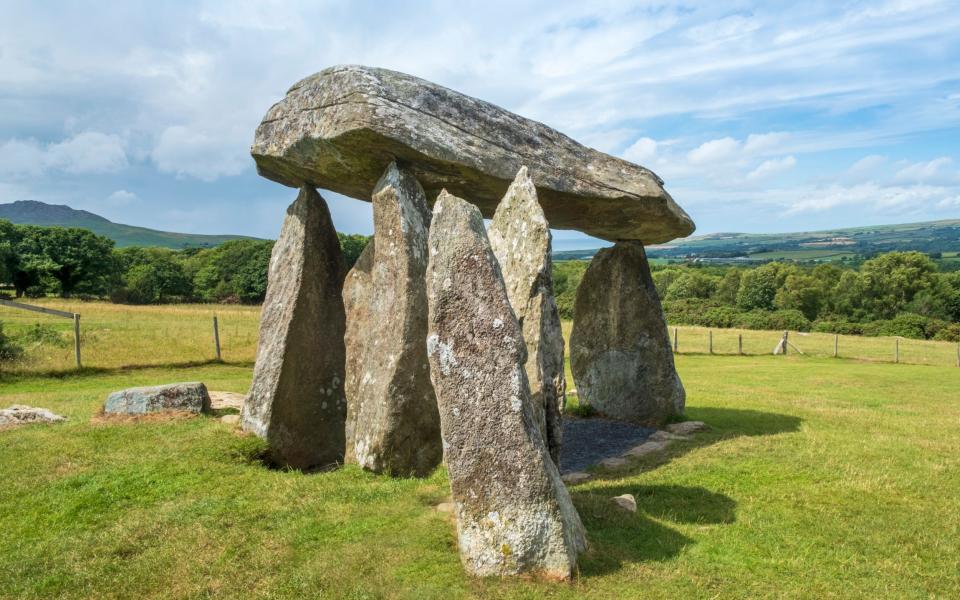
<point>392,421</point>
<point>620,351</point>
<point>520,239</point>
<point>514,514</point>
<point>339,129</point>
<point>296,401</point>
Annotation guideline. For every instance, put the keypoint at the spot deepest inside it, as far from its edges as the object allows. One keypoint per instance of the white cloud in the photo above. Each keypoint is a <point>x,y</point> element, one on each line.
<point>183,151</point>
<point>87,152</point>
<point>870,196</point>
<point>761,142</point>
<point>772,167</point>
<point>641,151</point>
<point>866,166</point>
<point>714,151</point>
<point>122,198</point>
<point>923,171</point>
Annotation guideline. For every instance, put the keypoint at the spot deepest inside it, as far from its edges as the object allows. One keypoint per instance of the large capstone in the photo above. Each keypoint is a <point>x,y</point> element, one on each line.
<point>296,400</point>
<point>340,128</point>
<point>514,514</point>
<point>392,420</point>
<point>172,397</point>
<point>619,349</point>
<point>520,239</point>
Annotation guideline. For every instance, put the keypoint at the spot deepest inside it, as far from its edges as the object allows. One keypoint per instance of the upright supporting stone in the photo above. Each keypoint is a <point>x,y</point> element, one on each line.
<point>620,349</point>
<point>520,239</point>
<point>392,420</point>
<point>514,514</point>
<point>296,401</point>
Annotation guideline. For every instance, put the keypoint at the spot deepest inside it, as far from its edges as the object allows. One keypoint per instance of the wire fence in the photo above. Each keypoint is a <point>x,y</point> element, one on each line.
<point>115,335</point>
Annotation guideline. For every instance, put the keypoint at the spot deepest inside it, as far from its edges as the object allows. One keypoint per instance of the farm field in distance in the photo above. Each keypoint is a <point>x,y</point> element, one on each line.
<point>116,335</point>
<point>821,478</point>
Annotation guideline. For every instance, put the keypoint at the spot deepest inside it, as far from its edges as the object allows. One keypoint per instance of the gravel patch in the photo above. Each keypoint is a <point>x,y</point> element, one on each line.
<point>588,441</point>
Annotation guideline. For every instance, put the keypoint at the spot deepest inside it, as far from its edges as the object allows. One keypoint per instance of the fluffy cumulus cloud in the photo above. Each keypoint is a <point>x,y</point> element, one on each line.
<point>744,109</point>
<point>90,152</point>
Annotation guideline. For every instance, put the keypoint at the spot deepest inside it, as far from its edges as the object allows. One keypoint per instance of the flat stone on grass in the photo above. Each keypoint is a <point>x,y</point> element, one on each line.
<point>19,414</point>
<point>174,397</point>
<point>625,502</point>
<point>688,427</point>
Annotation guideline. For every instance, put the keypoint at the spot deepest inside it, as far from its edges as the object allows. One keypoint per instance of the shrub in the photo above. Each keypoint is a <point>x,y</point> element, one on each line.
<point>10,351</point>
<point>778,320</point>
<point>950,333</point>
<point>904,325</point>
<point>44,335</point>
<point>841,327</point>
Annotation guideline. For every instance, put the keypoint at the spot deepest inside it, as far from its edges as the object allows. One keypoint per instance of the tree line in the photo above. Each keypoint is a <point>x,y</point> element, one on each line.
<point>897,293</point>
<point>73,262</point>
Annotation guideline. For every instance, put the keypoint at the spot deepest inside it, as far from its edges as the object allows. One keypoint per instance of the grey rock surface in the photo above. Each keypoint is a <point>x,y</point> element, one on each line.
<point>173,397</point>
<point>586,442</point>
<point>520,239</point>
<point>687,427</point>
<point>392,421</point>
<point>296,399</point>
<point>339,129</point>
<point>514,514</point>
<point>625,502</point>
<point>19,414</point>
<point>620,351</point>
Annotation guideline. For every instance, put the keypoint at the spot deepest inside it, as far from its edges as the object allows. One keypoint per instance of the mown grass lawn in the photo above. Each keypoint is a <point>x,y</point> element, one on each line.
<point>821,478</point>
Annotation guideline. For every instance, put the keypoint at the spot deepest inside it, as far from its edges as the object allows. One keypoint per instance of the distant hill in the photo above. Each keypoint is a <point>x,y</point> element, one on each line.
<point>836,244</point>
<point>32,212</point>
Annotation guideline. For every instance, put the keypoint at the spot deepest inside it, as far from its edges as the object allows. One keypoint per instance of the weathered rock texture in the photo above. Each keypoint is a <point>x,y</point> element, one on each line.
<point>619,348</point>
<point>514,514</point>
<point>173,397</point>
<point>520,239</point>
<point>340,128</point>
<point>392,420</point>
<point>19,414</point>
<point>296,400</point>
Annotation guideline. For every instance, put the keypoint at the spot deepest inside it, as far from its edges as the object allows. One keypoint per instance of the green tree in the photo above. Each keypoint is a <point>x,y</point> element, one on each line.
<point>758,287</point>
<point>692,284</point>
<point>800,292</point>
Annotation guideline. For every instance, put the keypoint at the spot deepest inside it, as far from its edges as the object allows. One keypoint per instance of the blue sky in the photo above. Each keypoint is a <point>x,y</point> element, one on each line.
<point>760,117</point>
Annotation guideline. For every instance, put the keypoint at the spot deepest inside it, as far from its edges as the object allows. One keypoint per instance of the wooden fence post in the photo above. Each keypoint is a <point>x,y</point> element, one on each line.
<point>710,340</point>
<point>785,334</point>
<point>216,336</point>
<point>740,343</point>
<point>896,350</point>
<point>76,338</point>
<point>836,345</point>
<point>676,341</point>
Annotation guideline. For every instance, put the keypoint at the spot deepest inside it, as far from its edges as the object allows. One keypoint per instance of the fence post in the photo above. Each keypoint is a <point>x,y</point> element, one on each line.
<point>785,334</point>
<point>676,341</point>
<point>836,345</point>
<point>896,350</point>
<point>710,340</point>
<point>740,343</point>
<point>216,336</point>
<point>76,338</point>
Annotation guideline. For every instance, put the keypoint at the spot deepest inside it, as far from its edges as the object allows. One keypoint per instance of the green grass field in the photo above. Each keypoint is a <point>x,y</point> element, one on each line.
<point>806,254</point>
<point>821,478</point>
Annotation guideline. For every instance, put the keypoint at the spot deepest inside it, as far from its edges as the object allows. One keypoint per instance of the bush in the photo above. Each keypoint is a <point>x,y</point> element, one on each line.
<point>950,333</point>
<point>904,325</point>
<point>44,335</point>
<point>778,320</point>
<point>10,351</point>
<point>840,327</point>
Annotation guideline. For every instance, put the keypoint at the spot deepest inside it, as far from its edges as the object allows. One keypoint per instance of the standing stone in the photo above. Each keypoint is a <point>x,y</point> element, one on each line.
<point>392,420</point>
<point>520,239</point>
<point>514,514</point>
<point>296,400</point>
<point>619,349</point>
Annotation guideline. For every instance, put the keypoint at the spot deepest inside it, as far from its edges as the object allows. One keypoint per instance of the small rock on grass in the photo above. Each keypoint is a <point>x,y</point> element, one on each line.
<point>231,420</point>
<point>175,397</point>
<point>445,507</point>
<point>626,502</point>
<point>576,477</point>
<point>18,414</point>
<point>220,400</point>
<point>663,436</point>
<point>688,427</point>
<point>646,449</point>
<point>615,462</point>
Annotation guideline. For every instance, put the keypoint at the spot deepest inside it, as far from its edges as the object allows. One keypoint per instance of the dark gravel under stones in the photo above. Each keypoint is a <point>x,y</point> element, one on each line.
<point>588,441</point>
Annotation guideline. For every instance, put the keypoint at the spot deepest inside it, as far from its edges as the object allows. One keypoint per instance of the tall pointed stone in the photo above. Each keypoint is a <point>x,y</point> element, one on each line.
<point>619,349</point>
<point>514,514</point>
<point>520,239</point>
<point>296,400</point>
<point>392,420</point>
